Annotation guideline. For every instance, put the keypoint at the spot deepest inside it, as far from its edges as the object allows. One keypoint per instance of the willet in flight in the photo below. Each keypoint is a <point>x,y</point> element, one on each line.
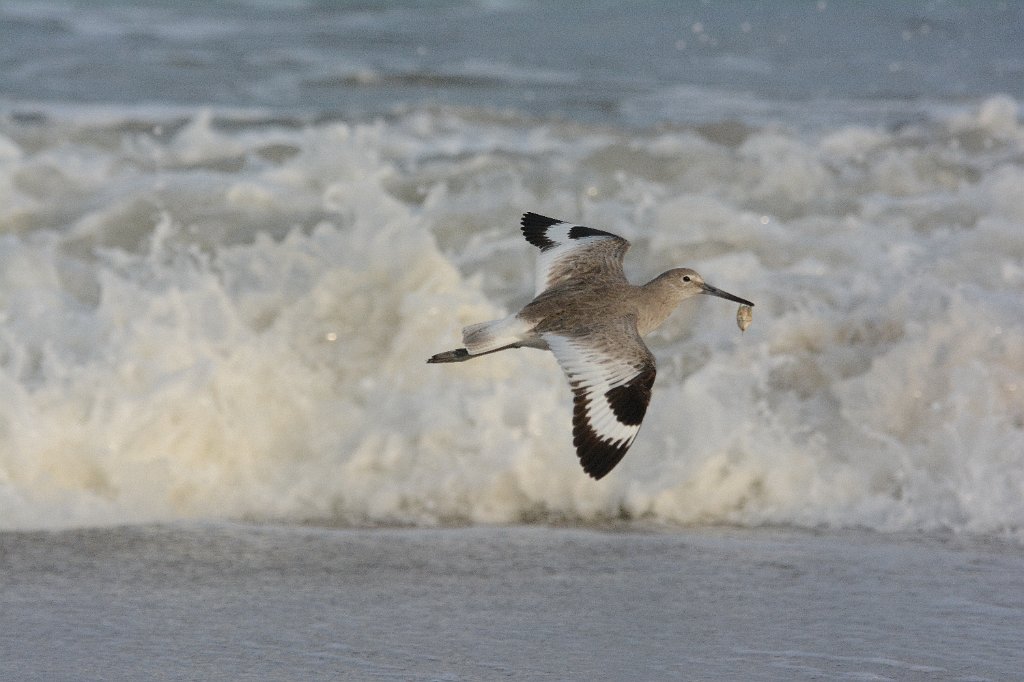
<point>588,314</point>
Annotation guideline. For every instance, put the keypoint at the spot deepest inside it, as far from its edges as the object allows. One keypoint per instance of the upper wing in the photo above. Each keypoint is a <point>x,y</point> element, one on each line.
<point>568,250</point>
<point>611,375</point>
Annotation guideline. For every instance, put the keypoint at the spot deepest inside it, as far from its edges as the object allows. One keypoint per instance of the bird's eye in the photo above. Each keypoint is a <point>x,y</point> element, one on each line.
<point>686,278</point>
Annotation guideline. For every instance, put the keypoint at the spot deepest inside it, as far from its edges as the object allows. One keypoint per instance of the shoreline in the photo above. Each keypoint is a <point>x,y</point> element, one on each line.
<point>207,600</point>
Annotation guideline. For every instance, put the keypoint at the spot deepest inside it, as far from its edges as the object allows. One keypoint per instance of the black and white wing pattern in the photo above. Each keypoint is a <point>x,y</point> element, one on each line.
<point>611,376</point>
<point>569,251</point>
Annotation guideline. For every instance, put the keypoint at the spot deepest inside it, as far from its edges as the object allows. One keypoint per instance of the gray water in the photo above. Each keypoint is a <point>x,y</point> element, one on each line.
<point>521,603</point>
<point>660,61</point>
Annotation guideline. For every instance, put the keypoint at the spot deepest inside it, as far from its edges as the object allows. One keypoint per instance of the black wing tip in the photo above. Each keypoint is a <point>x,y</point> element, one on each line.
<point>536,220</point>
<point>535,229</point>
<point>598,457</point>
<point>628,403</point>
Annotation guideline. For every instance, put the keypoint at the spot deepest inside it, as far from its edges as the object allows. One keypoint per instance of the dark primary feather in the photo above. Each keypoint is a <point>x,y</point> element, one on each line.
<point>629,403</point>
<point>535,229</point>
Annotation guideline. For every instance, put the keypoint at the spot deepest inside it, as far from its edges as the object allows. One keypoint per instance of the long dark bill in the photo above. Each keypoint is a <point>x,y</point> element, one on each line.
<point>708,289</point>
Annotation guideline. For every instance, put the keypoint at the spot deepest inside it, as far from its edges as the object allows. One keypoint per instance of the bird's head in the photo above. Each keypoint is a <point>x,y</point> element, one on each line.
<point>689,283</point>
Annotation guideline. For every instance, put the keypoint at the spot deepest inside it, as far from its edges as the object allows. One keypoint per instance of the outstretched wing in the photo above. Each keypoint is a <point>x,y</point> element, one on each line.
<point>568,251</point>
<point>611,376</point>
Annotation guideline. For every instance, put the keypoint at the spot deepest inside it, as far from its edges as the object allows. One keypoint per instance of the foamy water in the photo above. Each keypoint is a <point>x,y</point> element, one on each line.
<point>230,236</point>
<point>213,314</point>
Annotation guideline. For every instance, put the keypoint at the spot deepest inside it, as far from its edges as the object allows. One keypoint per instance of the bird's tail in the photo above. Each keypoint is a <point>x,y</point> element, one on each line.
<point>484,338</point>
<point>457,355</point>
<point>463,354</point>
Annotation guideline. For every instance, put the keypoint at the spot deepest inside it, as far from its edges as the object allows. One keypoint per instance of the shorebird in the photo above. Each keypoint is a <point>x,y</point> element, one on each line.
<point>587,313</point>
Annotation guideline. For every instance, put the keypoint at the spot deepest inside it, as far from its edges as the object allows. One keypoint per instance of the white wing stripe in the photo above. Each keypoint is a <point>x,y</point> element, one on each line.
<point>594,374</point>
<point>563,250</point>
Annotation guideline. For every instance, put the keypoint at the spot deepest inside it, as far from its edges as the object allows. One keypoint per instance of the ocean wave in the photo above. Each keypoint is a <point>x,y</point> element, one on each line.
<point>213,315</point>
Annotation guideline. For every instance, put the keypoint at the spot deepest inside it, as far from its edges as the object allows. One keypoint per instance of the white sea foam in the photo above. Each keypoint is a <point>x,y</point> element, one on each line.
<point>215,316</point>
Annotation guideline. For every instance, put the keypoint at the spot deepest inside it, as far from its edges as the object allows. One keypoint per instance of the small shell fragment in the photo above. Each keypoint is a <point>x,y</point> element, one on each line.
<point>744,315</point>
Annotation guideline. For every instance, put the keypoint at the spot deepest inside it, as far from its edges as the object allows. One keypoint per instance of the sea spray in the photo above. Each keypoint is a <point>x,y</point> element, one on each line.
<point>217,316</point>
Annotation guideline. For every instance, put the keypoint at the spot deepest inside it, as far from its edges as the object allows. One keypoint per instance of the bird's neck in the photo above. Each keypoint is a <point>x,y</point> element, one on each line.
<point>658,298</point>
